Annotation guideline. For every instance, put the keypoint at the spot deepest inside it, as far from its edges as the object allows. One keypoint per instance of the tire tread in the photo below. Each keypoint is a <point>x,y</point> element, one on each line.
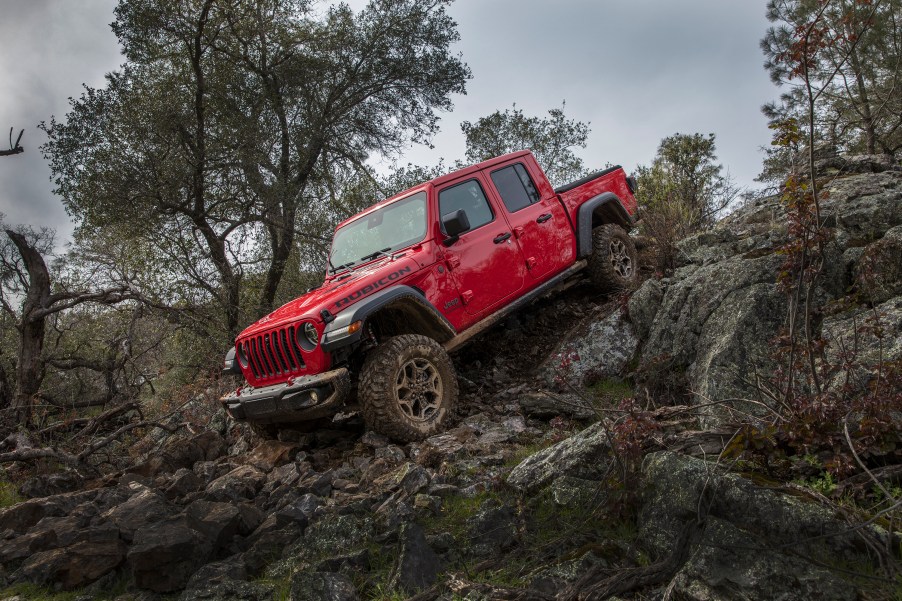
<point>379,409</point>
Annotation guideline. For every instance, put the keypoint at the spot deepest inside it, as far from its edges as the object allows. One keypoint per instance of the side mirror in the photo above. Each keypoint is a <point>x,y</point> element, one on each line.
<point>455,224</point>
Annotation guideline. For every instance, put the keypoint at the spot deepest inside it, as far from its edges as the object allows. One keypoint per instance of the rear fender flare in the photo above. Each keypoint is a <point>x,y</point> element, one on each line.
<point>604,208</point>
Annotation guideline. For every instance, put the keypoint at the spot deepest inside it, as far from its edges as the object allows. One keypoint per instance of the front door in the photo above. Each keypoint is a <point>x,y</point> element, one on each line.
<point>485,262</point>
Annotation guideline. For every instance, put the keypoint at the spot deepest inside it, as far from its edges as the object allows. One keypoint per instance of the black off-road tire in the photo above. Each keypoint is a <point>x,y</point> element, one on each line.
<point>407,388</point>
<point>613,264</point>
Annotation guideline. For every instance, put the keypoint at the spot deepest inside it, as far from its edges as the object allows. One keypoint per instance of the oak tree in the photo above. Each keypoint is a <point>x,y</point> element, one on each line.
<point>552,139</point>
<point>208,148</point>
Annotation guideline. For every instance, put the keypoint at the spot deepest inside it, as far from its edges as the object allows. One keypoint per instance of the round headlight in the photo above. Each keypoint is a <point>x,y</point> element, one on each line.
<point>311,334</point>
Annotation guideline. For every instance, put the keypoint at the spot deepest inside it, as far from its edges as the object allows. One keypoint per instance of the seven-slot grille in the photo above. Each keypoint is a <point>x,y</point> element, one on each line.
<point>273,354</point>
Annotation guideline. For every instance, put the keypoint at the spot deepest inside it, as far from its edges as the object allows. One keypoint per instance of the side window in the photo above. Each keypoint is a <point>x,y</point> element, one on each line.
<point>515,187</point>
<point>469,197</point>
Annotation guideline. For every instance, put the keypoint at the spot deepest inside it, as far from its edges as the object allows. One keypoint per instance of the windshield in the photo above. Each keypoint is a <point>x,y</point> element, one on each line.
<point>390,228</point>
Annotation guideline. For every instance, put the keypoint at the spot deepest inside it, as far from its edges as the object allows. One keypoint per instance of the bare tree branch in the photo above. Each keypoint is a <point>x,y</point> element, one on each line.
<point>13,148</point>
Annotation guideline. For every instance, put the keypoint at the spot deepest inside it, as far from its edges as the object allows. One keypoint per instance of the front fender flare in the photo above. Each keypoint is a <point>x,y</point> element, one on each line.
<point>336,337</point>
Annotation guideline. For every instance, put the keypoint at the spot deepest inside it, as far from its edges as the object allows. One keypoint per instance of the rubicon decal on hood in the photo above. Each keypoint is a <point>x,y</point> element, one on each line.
<point>373,286</point>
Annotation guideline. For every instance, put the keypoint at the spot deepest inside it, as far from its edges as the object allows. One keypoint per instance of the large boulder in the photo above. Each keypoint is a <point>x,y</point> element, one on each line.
<point>218,522</point>
<point>583,455</point>
<point>418,566</point>
<point>878,272</point>
<point>271,454</point>
<point>163,556</point>
<point>77,565</point>
<point>643,306</point>
<point>714,319</point>
<point>321,586</point>
<point>142,510</point>
<point>240,484</point>
<point>755,540</point>
<point>593,349</point>
<point>336,535</point>
<point>864,207</point>
<point>733,565</point>
<point>22,516</point>
<point>181,452</point>
<point>855,330</point>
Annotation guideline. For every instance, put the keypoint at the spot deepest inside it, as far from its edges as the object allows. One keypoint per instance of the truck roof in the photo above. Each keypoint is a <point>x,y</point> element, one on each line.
<point>437,181</point>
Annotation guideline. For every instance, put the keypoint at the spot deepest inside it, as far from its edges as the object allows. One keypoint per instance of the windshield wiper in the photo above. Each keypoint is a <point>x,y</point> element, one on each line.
<point>343,266</point>
<point>373,255</point>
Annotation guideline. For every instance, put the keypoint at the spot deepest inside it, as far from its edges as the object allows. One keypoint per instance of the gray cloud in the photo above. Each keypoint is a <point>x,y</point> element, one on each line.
<point>638,71</point>
<point>52,48</point>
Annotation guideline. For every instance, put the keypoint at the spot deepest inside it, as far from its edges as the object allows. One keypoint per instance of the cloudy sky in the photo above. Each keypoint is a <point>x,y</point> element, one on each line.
<point>637,70</point>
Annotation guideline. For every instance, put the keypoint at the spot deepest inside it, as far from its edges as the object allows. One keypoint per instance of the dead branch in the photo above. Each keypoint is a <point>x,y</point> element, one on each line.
<point>93,448</point>
<point>34,454</point>
<point>887,473</point>
<point>23,451</point>
<point>463,588</point>
<point>874,479</point>
<point>80,460</point>
<point>13,148</point>
<point>89,425</point>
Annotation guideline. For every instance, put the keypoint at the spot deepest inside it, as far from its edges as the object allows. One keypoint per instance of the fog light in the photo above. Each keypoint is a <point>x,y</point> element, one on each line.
<point>314,396</point>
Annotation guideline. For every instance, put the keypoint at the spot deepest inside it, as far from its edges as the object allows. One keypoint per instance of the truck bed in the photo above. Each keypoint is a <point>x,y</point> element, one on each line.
<point>613,179</point>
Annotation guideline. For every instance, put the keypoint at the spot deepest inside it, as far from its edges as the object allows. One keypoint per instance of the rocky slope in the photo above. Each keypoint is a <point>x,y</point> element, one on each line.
<point>524,497</point>
<point>715,317</point>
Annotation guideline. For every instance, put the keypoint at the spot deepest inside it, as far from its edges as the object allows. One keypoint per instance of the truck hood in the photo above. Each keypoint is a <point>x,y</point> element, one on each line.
<point>339,292</point>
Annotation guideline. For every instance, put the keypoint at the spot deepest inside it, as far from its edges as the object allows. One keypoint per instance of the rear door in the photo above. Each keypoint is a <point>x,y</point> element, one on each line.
<point>540,225</point>
<point>485,263</point>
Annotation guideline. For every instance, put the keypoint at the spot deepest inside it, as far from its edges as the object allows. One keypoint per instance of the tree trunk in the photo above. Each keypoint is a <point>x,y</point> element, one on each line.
<point>867,116</point>
<point>30,367</point>
<point>5,391</point>
<point>281,229</point>
<point>281,242</point>
<point>230,281</point>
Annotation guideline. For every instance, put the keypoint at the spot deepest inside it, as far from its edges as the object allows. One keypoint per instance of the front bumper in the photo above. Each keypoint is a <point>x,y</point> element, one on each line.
<point>299,399</point>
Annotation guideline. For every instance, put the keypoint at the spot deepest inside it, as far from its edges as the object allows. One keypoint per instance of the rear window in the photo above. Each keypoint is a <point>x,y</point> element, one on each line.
<point>515,187</point>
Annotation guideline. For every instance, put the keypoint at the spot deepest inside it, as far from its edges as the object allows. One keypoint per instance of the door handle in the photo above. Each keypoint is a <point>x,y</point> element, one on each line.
<point>501,237</point>
<point>543,218</point>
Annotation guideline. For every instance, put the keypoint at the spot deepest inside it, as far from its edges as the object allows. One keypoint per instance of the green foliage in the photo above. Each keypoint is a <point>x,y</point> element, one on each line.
<point>824,483</point>
<point>526,451</point>
<point>33,592</point>
<point>681,192</point>
<point>375,584</point>
<point>9,494</point>
<point>281,586</point>
<point>846,55</point>
<point>382,592</point>
<point>552,140</point>
<point>610,391</point>
<point>407,177</point>
<point>456,510</point>
<point>230,121</point>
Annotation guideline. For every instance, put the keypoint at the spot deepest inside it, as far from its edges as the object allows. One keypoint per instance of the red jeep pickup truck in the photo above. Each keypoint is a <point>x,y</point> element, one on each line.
<point>416,276</point>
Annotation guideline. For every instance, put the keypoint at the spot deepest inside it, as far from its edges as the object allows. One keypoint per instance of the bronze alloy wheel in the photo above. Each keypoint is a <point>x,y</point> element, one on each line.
<point>418,389</point>
<point>620,259</point>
